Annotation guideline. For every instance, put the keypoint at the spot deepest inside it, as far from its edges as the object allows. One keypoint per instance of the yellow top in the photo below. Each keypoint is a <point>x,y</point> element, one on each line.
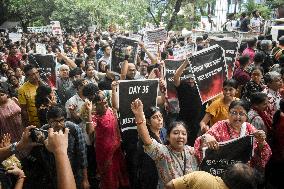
<point>218,110</point>
<point>26,96</point>
<point>199,180</point>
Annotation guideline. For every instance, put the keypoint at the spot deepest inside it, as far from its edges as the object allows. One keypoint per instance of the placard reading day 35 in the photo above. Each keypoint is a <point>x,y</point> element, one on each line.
<point>145,90</point>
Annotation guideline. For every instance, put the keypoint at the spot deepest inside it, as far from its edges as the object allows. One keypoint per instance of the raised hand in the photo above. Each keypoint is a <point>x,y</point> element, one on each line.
<point>141,44</point>
<point>114,85</point>
<point>26,141</point>
<point>137,107</point>
<point>88,105</point>
<point>6,140</point>
<point>211,142</point>
<point>260,136</point>
<point>57,142</point>
<point>72,107</point>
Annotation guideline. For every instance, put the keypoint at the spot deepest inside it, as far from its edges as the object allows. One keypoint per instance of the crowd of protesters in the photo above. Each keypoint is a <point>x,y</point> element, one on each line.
<point>86,147</point>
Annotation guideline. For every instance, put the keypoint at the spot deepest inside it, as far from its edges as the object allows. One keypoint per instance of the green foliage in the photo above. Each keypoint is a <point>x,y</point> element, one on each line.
<point>71,14</point>
<point>74,13</point>
<point>274,3</point>
<point>128,14</point>
<point>29,11</point>
<point>250,6</point>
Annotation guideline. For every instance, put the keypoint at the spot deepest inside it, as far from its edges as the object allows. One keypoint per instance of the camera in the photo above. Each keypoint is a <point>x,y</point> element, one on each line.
<point>38,135</point>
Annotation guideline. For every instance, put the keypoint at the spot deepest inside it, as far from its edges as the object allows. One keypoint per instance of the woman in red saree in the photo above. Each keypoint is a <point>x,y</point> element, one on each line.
<point>110,159</point>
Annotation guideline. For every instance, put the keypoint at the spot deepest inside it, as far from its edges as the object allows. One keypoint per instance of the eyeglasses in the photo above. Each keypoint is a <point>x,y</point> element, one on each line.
<point>157,116</point>
<point>241,114</point>
<point>60,121</point>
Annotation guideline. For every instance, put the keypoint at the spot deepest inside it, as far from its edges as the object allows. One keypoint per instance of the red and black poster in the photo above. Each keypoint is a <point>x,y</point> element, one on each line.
<point>171,67</point>
<point>209,69</point>
<point>231,49</point>
<point>46,67</point>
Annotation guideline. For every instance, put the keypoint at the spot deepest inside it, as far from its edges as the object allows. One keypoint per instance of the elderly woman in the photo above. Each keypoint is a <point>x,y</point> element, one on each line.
<point>173,160</point>
<point>235,127</point>
<point>266,47</point>
<point>274,83</point>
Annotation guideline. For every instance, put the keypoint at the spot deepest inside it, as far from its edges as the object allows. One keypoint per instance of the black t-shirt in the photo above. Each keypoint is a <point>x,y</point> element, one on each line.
<point>244,25</point>
<point>189,103</point>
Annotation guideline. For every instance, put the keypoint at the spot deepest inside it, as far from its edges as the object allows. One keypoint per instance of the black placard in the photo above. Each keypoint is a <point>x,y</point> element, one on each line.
<point>209,69</point>
<point>230,152</point>
<point>118,52</point>
<point>46,66</point>
<point>231,48</point>
<point>171,67</point>
<point>129,90</point>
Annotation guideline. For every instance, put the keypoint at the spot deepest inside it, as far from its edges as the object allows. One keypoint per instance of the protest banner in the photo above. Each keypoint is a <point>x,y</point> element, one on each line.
<point>118,52</point>
<point>183,52</point>
<point>40,29</point>
<point>129,90</point>
<point>15,37</point>
<point>231,49</point>
<point>230,152</point>
<point>171,67</point>
<point>46,67</point>
<point>40,48</point>
<point>209,69</point>
<point>153,48</point>
<point>157,35</point>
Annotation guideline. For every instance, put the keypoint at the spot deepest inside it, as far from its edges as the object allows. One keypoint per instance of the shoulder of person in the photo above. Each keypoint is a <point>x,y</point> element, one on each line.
<point>72,126</point>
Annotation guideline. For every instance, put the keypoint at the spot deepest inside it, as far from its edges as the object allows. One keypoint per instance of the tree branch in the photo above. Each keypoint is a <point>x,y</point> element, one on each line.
<point>174,15</point>
<point>156,22</point>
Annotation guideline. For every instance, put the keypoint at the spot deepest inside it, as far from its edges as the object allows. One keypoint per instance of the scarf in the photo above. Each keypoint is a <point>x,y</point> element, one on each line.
<point>266,119</point>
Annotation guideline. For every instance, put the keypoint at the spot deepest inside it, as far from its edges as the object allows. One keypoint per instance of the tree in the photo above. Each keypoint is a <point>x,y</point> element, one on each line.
<point>274,3</point>
<point>71,14</point>
<point>250,6</point>
<point>28,11</point>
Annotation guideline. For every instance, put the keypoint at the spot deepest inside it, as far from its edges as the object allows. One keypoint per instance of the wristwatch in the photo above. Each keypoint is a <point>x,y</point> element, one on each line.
<point>13,148</point>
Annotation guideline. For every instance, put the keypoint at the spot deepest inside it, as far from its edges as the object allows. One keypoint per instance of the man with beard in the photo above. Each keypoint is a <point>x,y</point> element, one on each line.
<point>189,102</point>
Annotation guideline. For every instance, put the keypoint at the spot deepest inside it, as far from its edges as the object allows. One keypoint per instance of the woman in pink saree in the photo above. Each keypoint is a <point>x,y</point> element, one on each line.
<point>110,159</point>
